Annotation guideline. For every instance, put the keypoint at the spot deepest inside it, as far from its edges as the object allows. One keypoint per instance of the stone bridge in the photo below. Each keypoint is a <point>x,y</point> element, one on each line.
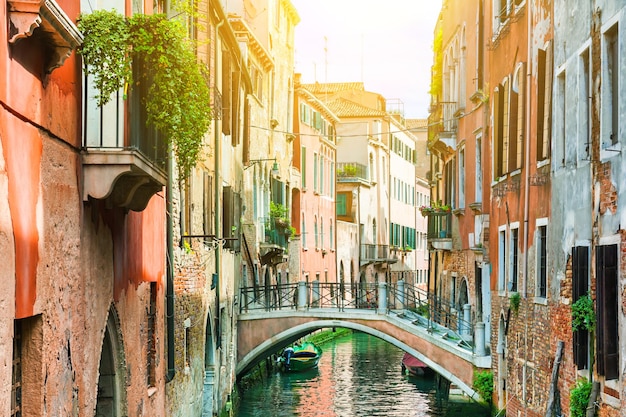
<point>273,318</point>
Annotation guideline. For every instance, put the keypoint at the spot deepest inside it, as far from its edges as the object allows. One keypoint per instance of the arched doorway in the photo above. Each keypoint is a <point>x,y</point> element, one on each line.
<point>463,294</point>
<point>111,399</point>
<point>209,370</point>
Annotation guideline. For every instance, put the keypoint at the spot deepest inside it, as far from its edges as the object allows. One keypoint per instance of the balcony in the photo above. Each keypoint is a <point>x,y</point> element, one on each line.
<point>439,230</point>
<point>124,162</point>
<point>376,254</point>
<point>275,240</point>
<point>444,126</point>
<point>352,172</point>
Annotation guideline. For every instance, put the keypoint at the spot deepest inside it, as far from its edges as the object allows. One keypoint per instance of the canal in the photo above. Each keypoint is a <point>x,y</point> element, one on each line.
<point>358,375</point>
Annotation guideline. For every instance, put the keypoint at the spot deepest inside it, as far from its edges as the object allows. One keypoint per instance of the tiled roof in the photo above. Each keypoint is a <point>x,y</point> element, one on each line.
<point>331,88</point>
<point>416,123</point>
<point>346,108</point>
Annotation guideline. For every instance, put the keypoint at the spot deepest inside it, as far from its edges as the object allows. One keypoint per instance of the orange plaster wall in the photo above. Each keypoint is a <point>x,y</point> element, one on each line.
<point>22,148</point>
<point>146,242</point>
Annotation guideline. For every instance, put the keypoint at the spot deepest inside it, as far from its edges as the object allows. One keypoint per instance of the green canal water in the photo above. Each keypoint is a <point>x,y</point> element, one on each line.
<point>357,376</point>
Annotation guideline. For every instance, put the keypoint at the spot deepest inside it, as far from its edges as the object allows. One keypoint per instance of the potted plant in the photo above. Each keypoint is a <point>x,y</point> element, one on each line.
<point>279,214</point>
<point>178,98</point>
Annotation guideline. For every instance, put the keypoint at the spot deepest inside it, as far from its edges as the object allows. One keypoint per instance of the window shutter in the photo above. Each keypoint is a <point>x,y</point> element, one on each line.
<point>580,287</point>
<point>607,312</point>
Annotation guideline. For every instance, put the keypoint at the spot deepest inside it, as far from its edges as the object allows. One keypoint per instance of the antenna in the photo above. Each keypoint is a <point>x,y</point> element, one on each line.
<point>325,59</point>
<point>362,54</point>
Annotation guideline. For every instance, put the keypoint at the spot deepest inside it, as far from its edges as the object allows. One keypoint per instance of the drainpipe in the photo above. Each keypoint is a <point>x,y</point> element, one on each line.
<point>529,48</point>
<point>169,296</point>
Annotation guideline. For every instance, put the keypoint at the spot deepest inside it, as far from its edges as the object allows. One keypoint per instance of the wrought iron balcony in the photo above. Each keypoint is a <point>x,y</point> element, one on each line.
<point>439,230</point>
<point>275,240</point>
<point>124,161</point>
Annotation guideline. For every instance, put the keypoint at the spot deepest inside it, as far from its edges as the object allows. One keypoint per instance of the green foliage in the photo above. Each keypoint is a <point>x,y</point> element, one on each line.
<point>483,384</point>
<point>515,300</point>
<point>278,211</point>
<point>579,398</point>
<point>178,96</point>
<point>583,315</point>
<point>436,82</point>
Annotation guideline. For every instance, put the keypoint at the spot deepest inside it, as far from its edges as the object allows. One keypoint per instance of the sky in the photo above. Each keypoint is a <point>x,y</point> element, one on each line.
<point>386,44</point>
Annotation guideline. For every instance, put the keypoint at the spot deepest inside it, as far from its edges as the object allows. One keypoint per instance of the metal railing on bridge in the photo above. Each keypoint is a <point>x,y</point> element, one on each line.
<point>420,307</point>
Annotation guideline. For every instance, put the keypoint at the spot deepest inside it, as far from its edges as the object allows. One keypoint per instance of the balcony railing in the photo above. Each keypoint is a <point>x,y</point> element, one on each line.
<point>351,171</point>
<point>275,240</point>
<point>375,253</point>
<point>439,225</point>
<point>125,167</point>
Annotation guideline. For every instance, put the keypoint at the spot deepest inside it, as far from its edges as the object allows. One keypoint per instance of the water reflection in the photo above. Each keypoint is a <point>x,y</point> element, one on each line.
<point>358,375</point>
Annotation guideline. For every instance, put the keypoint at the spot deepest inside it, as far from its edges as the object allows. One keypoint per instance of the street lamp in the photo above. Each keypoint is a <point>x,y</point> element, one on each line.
<point>256,161</point>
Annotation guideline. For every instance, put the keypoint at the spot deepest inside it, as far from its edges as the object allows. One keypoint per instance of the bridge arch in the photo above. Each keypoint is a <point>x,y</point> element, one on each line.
<point>291,334</point>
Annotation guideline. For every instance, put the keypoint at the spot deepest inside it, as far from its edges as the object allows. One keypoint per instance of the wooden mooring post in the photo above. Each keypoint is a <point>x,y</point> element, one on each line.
<point>554,401</point>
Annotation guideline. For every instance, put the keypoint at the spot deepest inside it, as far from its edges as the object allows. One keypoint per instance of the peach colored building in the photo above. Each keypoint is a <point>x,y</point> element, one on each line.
<point>84,272</point>
<point>315,157</point>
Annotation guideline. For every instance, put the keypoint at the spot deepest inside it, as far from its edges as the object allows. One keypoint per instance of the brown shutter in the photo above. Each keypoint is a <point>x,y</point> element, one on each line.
<point>607,312</point>
<point>580,287</point>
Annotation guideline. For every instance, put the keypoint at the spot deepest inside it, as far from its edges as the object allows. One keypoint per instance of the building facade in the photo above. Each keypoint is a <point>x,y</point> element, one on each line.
<point>83,237</point>
<point>458,214</point>
<point>314,210</point>
<point>552,104</point>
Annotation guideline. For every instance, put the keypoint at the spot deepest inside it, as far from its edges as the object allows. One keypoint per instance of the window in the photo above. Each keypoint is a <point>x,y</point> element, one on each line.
<point>304,246</point>
<point>610,89</point>
<point>478,174</point>
<point>560,121</point>
<point>607,311</point>
<point>303,167</point>
<point>498,137</point>
<point>542,273</point>
<point>207,203</point>
<point>332,179</point>
<point>321,187</point>
<point>315,174</point>
<point>16,384</point>
<point>501,257</point>
<point>462,177</point>
<point>331,243</point>
<point>341,204</point>
<point>514,257</point>
<point>517,114</point>
<point>584,114</point>
<point>580,287</point>
<point>316,234</point>
<point>322,233</point>
<point>544,89</point>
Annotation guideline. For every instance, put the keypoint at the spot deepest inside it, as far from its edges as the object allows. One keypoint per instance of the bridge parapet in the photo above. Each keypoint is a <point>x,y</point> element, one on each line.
<point>429,329</point>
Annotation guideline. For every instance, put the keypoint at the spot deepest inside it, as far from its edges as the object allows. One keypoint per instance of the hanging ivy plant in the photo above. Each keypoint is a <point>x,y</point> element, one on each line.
<point>583,316</point>
<point>178,98</point>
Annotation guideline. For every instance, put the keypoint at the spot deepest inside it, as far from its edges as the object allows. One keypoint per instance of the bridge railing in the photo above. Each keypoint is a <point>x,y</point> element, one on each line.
<point>435,313</point>
<point>270,297</point>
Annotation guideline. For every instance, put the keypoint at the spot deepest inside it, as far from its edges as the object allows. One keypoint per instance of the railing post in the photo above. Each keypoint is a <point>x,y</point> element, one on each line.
<point>315,294</point>
<point>382,298</point>
<point>400,286</point>
<point>479,339</point>
<point>302,295</point>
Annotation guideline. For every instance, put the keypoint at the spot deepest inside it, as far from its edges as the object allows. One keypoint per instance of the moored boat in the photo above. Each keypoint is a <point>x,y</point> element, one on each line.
<point>413,366</point>
<point>300,357</point>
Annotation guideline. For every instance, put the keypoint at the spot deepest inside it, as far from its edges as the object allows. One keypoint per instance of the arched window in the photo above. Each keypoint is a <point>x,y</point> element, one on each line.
<point>316,234</point>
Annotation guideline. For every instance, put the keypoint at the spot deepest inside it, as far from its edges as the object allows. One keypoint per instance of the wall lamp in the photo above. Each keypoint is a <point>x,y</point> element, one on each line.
<point>256,161</point>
